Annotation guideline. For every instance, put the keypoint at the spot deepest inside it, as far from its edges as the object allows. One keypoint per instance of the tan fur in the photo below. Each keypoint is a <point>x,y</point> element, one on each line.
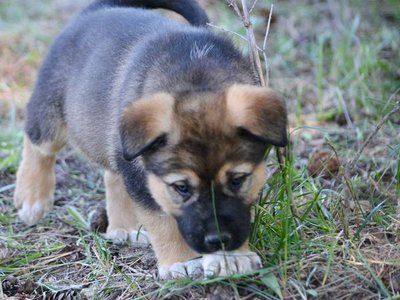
<point>153,113</point>
<point>159,192</point>
<point>183,175</point>
<point>254,183</point>
<point>245,247</point>
<point>221,175</point>
<point>202,115</point>
<point>165,238</point>
<point>52,148</point>
<point>232,168</point>
<point>166,198</point>
<point>257,182</point>
<point>258,109</point>
<point>35,183</point>
<point>120,206</point>
<point>35,177</point>
<point>123,212</point>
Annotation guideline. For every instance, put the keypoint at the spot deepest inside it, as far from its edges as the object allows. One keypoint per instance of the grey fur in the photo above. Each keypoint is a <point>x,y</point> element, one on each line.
<point>107,58</point>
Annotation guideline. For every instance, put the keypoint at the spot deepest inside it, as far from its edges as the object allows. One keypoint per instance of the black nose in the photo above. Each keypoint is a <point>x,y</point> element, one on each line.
<point>214,240</point>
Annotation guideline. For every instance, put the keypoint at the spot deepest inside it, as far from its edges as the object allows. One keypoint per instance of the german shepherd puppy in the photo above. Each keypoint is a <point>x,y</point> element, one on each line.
<point>173,114</point>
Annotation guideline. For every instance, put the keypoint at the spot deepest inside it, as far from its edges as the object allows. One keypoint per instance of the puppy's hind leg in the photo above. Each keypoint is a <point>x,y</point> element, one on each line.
<point>45,135</point>
<point>34,192</point>
<point>121,212</point>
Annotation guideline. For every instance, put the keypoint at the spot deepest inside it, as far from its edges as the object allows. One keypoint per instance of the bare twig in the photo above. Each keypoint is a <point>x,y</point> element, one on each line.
<point>233,4</point>
<point>252,7</point>
<point>263,50</point>
<point>264,47</point>
<point>390,99</point>
<point>253,49</point>
<point>268,25</point>
<point>232,32</point>
<point>251,40</point>
<point>255,58</point>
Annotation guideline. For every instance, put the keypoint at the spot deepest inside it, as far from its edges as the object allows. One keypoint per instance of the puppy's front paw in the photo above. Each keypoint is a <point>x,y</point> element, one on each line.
<point>191,268</point>
<point>31,212</point>
<point>227,263</point>
<point>120,236</point>
<point>33,199</point>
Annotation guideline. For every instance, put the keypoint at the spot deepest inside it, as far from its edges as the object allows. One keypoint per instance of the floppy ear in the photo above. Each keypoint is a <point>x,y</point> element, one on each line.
<point>258,114</point>
<point>145,124</point>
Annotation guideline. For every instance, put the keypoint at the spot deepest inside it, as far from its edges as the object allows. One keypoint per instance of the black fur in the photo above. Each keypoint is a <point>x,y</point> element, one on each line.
<point>198,221</point>
<point>136,183</point>
<point>189,9</point>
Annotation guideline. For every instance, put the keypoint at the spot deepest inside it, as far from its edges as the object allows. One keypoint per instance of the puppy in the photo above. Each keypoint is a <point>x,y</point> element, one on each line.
<point>173,114</point>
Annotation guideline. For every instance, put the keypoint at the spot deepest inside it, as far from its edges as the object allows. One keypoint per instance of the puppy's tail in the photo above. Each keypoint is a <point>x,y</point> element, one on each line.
<point>189,9</point>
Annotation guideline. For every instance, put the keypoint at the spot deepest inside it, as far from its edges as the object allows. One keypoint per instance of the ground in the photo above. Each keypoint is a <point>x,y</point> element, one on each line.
<point>327,225</point>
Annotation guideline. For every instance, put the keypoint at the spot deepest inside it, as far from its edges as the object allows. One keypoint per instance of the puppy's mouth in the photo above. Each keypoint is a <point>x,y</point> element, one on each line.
<point>206,233</point>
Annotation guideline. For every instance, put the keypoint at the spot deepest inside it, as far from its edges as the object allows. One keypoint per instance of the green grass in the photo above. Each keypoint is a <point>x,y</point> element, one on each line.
<point>318,237</point>
<point>10,143</point>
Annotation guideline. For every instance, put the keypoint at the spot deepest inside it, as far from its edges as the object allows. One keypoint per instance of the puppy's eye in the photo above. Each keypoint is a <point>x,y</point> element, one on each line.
<point>237,180</point>
<point>183,189</point>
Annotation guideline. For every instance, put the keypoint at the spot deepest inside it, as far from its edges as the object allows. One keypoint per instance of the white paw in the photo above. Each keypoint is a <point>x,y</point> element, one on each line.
<point>191,268</point>
<point>30,214</point>
<point>120,236</point>
<point>227,263</point>
<point>116,235</point>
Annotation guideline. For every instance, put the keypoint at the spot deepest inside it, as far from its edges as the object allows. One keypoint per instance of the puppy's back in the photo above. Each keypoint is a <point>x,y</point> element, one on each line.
<point>189,9</point>
<point>103,27</point>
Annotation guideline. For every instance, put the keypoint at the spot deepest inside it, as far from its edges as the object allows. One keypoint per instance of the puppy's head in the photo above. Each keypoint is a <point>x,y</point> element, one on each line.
<point>203,153</point>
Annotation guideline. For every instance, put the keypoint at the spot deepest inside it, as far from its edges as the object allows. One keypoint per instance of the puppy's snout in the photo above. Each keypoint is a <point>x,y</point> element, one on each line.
<point>214,240</point>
